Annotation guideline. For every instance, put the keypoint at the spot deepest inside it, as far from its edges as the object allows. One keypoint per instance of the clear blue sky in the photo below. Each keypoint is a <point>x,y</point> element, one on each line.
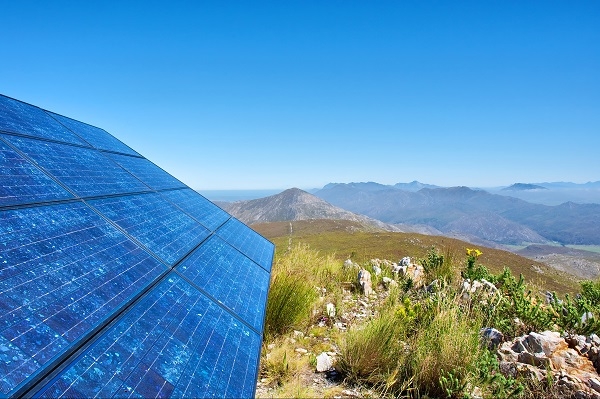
<point>272,95</point>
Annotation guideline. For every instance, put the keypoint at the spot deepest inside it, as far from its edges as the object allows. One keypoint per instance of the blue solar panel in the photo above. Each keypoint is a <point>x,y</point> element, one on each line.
<point>174,343</point>
<point>21,182</point>
<point>97,137</point>
<point>85,171</point>
<point>247,241</point>
<point>224,273</point>
<point>116,279</point>
<point>198,207</point>
<point>147,172</point>
<point>155,222</point>
<point>63,271</point>
<point>18,117</point>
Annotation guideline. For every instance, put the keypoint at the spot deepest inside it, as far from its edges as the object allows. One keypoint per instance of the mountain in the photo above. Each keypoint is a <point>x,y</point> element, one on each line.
<point>461,210</point>
<point>295,204</point>
<point>413,186</point>
<point>554,193</point>
<point>523,187</point>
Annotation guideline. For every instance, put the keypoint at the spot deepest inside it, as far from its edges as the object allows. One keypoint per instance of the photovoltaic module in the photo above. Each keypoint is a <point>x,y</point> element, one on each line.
<point>116,279</point>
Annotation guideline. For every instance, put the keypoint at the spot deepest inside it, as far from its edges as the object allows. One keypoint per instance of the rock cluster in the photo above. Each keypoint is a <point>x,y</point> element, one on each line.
<point>572,360</point>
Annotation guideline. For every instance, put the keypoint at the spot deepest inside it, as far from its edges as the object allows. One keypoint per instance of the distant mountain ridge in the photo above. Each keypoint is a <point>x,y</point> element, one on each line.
<point>461,210</point>
<point>524,186</point>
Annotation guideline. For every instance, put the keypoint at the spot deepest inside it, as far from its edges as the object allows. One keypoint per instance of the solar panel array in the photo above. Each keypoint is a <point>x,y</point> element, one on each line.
<point>116,279</point>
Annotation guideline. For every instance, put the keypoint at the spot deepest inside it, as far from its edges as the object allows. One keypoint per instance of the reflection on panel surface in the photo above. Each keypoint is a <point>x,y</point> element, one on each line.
<point>63,269</point>
<point>85,171</point>
<point>198,207</point>
<point>147,172</point>
<point>18,117</point>
<point>247,241</point>
<point>22,183</point>
<point>173,343</point>
<point>224,273</point>
<point>155,222</point>
<point>97,137</point>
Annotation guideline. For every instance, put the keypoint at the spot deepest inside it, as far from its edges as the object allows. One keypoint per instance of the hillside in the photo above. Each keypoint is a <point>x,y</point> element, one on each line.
<point>347,239</point>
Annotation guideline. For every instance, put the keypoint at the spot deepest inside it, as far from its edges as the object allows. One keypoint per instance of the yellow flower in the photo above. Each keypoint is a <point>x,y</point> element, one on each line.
<point>478,252</point>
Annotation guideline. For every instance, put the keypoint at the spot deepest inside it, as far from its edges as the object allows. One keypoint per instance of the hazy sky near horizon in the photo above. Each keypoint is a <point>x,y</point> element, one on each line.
<point>272,95</point>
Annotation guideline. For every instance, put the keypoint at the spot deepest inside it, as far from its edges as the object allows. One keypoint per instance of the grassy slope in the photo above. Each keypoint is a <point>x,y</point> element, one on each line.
<point>345,239</point>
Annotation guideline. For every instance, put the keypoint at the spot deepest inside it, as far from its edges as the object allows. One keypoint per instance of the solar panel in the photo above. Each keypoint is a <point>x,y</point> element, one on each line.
<point>97,137</point>
<point>21,182</point>
<point>64,270</point>
<point>247,241</point>
<point>85,171</point>
<point>157,224</point>
<point>147,172</point>
<point>18,117</point>
<point>224,273</point>
<point>116,279</point>
<point>198,207</point>
<point>174,343</point>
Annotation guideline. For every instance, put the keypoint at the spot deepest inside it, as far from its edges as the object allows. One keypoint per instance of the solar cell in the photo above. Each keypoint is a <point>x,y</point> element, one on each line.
<point>21,182</point>
<point>198,207</point>
<point>230,277</point>
<point>86,172</point>
<point>147,172</point>
<point>156,223</point>
<point>18,117</point>
<point>97,137</point>
<point>247,241</point>
<point>63,271</point>
<point>175,342</point>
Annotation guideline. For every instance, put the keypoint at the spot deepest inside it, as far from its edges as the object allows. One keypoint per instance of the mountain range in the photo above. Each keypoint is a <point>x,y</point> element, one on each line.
<point>461,210</point>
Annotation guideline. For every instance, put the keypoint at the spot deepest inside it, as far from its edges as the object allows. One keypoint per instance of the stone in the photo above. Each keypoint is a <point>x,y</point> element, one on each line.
<point>405,261</point>
<point>330,309</point>
<point>492,337</point>
<point>364,281</point>
<point>301,351</point>
<point>376,270</point>
<point>595,384</point>
<point>324,362</point>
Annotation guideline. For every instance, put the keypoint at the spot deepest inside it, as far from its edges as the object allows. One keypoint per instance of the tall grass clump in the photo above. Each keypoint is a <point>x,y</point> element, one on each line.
<point>370,354</point>
<point>292,295</point>
<point>444,352</point>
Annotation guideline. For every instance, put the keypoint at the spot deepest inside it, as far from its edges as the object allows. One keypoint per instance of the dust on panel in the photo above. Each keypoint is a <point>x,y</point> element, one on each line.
<point>230,277</point>
<point>147,172</point>
<point>97,137</point>
<point>86,171</point>
<point>22,183</point>
<point>152,220</point>
<point>63,271</point>
<point>247,241</point>
<point>198,207</point>
<point>176,343</point>
<point>18,117</point>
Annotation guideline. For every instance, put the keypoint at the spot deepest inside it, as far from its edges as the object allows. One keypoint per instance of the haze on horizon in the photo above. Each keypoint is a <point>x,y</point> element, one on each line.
<point>272,95</point>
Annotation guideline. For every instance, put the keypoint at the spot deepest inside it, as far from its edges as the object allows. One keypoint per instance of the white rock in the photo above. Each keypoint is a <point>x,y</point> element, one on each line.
<point>324,362</point>
<point>302,351</point>
<point>330,310</point>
